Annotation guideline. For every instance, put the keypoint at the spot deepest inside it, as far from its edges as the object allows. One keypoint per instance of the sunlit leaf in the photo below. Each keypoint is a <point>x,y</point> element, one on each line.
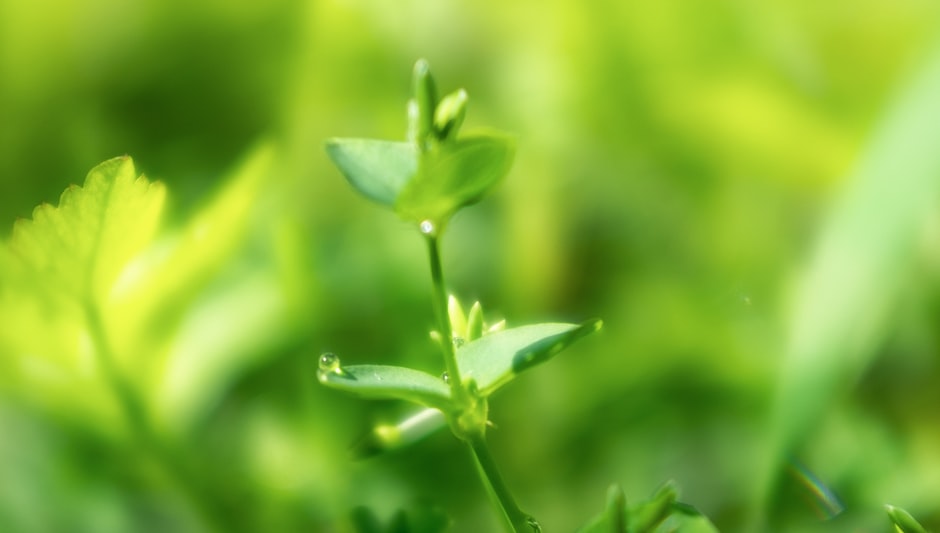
<point>495,359</point>
<point>868,247</point>
<point>389,382</point>
<point>79,247</point>
<point>61,269</point>
<point>377,169</point>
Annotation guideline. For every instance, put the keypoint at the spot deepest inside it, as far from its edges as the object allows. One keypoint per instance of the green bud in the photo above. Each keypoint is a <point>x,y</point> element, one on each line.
<point>426,98</point>
<point>450,113</point>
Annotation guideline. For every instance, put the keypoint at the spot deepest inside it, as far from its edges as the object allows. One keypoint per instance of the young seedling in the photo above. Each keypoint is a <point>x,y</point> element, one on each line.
<point>425,180</point>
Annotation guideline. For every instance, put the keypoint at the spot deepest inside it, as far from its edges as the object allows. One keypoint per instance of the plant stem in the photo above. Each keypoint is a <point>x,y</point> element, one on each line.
<point>516,518</point>
<point>443,321</point>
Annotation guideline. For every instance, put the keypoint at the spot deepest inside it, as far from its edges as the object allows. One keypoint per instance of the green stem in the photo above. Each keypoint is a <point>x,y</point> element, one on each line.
<point>517,520</point>
<point>180,473</point>
<point>443,321</point>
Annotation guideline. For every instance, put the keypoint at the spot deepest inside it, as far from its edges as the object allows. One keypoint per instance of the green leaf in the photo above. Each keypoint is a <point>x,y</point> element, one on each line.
<point>495,359</point>
<point>80,247</point>
<point>614,517</point>
<point>454,175</point>
<point>377,169</point>
<point>59,282</point>
<point>389,382</point>
<point>687,519</point>
<point>645,517</point>
<point>903,521</point>
<point>847,296</point>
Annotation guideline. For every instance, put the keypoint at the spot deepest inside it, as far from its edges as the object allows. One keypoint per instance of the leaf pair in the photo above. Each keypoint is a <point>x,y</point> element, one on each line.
<point>433,174</point>
<point>491,360</point>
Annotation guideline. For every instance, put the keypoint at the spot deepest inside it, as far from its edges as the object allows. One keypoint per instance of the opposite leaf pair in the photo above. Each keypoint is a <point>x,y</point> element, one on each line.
<point>434,173</point>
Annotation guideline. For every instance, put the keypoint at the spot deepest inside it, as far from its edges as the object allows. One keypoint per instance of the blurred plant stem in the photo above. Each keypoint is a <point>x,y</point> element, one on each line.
<point>174,465</point>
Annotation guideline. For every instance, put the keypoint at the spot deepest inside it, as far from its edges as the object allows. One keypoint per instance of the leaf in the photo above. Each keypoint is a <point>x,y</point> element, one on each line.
<point>903,521</point>
<point>867,251</point>
<point>389,382</point>
<point>687,519</point>
<point>377,169</point>
<point>453,175</point>
<point>646,516</point>
<point>80,247</point>
<point>60,273</point>
<point>614,517</point>
<point>495,359</point>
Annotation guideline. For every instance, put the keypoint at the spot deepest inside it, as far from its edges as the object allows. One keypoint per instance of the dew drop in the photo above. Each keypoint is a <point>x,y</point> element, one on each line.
<point>458,341</point>
<point>533,524</point>
<point>329,362</point>
<point>426,227</point>
<point>445,377</point>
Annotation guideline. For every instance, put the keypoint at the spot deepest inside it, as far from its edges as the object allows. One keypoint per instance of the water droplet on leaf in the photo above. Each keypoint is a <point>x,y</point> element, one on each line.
<point>329,362</point>
<point>445,377</point>
<point>426,227</point>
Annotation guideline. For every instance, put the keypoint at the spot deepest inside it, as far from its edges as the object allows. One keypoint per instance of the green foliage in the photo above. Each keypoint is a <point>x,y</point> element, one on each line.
<point>745,192</point>
<point>434,174</point>
<point>451,174</point>
<point>660,513</point>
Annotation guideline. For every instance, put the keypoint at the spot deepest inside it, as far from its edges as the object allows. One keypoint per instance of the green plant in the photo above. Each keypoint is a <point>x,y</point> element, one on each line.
<point>425,180</point>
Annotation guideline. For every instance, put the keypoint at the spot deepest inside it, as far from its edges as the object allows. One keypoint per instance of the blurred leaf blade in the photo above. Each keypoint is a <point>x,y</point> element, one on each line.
<point>81,245</point>
<point>867,248</point>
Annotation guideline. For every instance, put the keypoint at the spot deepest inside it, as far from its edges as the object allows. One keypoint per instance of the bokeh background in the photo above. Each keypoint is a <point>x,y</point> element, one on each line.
<point>746,192</point>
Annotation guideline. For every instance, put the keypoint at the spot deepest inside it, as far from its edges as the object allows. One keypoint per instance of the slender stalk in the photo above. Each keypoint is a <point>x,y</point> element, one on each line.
<point>443,321</point>
<point>518,520</point>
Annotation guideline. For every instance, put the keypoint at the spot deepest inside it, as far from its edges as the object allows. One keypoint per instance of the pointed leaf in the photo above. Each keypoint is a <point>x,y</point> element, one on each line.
<point>903,521</point>
<point>377,169</point>
<point>389,382</point>
<point>648,515</point>
<point>497,358</point>
<point>454,175</point>
<point>687,519</point>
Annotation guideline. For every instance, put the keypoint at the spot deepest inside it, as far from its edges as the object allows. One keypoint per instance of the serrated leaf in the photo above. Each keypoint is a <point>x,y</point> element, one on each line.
<point>60,271</point>
<point>80,247</point>
<point>495,359</point>
<point>453,175</point>
<point>377,169</point>
<point>389,382</point>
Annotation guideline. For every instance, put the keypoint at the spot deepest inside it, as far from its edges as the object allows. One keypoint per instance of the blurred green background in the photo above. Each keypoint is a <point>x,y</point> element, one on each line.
<point>746,192</point>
